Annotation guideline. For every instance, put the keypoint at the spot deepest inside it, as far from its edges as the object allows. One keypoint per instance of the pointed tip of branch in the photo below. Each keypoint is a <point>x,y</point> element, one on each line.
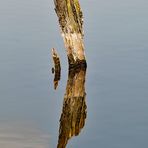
<point>54,53</point>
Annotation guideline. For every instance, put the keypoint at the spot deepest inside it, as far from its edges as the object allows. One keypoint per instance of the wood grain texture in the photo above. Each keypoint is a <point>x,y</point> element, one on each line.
<point>70,19</point>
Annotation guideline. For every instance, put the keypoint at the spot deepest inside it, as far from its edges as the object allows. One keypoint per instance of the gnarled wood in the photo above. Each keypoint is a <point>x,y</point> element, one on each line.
<point>71,23</point>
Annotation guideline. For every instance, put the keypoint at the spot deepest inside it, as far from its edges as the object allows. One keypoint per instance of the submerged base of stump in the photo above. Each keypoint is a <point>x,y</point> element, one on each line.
<point>79,64</point>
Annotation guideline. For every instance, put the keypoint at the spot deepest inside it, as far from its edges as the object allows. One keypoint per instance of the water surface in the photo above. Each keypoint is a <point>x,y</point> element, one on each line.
<point>116,43</point>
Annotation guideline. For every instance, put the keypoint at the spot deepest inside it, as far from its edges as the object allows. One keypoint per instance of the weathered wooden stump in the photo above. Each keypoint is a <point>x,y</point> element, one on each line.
<point>73,115</point>
<point>71,23</point>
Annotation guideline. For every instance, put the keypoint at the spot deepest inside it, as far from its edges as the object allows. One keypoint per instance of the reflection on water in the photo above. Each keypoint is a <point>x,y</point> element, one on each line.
<point>16,135</point>
<point>74,106</point>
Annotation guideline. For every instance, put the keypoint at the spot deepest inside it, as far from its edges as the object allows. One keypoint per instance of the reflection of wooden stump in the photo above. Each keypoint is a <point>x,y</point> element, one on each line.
<point>74,107</point>
<point>57,68</point>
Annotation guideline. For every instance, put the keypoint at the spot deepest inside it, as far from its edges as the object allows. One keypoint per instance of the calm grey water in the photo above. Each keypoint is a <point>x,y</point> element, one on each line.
<point>116,43</point>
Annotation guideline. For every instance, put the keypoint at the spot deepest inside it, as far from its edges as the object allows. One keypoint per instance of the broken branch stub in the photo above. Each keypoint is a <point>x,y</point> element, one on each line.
<point>71,23</point>
<point>57,67</point>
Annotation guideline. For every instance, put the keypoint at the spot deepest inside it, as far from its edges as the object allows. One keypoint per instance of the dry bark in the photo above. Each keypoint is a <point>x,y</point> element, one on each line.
<point>71,23</point>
